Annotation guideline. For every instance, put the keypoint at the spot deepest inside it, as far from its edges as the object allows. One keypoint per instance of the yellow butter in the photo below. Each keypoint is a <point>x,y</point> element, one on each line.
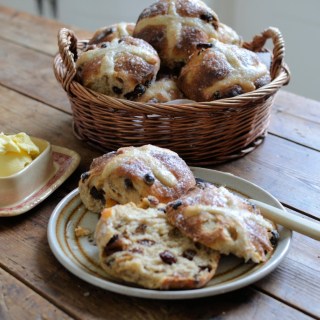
<point>16,152</point>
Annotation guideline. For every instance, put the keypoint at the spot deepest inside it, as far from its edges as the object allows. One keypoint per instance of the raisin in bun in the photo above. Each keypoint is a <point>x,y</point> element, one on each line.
<point>162,91</point>
<point>134,174</point>
<point>175,27</point>
<point>115,31</point>
<point>223,221</point>
<point>140,247</point>
<point>121,68</point>
<point>221,70</point>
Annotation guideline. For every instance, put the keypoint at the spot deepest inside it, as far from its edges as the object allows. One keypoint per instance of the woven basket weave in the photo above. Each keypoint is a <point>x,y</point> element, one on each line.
<point>201,133</point>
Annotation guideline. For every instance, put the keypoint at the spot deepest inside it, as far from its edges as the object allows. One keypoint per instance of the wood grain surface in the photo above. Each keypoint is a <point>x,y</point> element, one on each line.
<point>31,305</point>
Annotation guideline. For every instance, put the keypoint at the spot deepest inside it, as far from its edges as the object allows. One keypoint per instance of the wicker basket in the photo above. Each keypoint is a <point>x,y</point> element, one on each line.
<point>201,133</point>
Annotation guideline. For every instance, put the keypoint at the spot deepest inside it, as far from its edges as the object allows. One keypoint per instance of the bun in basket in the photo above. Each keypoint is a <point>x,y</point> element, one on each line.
<point>162,91</point>
<point>221,70</point>
<point>115,31</point>
<point>122,68</point>
<point>223,221</point>
<point>139,246</point>
<point>134,174</point>
<point>227,35</point>
<point>175,27</point>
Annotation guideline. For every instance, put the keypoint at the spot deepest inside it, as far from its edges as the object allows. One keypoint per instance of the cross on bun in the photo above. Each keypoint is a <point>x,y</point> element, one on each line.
<point>122,68</point>
<point>135,174</point>
<point>175,27</point>
<point>221,70</point>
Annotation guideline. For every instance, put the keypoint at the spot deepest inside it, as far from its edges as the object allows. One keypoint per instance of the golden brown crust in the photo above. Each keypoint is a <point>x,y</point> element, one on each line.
<point>115,31</point>
<point>123,68</point>
<point>222,221</point>
<point>162,91</point>
<point>134,173</point>
<point>174,28</point>
<point>220,70</point>
<point>227,35</point>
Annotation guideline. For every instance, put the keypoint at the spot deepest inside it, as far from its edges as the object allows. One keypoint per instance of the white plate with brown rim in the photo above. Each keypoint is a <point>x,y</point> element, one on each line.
<point>80,254</point>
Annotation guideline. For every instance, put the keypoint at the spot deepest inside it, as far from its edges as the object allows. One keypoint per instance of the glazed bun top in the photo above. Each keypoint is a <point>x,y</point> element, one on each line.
<point>122,68</point>
<point>115,31</point>
<point>220,71</point>
<point>175,27</point>
<point>227,35</point>
<point>133,173</point>
<point>161,91</point>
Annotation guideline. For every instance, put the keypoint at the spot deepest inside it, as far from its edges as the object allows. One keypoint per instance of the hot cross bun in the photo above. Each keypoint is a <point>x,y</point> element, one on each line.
<point>175,27</point>
<point>122,68</point>
<point>115,31</point>
<point>221,70</point>
<point>135,174</point>
<point>223,221</point>
<point>161,91</point>
<point>140,247</point>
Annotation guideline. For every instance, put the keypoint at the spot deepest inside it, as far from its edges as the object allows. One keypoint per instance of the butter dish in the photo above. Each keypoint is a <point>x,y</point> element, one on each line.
<point>23,190</point>
<point>16,187</point>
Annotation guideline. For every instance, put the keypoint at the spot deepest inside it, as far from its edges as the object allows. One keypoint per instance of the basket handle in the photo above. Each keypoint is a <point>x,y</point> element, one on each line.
<point>258,43</point>
<point>67,42</point>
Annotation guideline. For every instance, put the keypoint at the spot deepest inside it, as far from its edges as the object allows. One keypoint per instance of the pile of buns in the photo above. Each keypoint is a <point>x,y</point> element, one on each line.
<point>160,228</point>
<point>177,49</point>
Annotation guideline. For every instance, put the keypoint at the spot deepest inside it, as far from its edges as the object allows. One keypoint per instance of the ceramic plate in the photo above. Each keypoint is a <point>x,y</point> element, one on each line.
<point>65,161</point>
<point>80,254</point>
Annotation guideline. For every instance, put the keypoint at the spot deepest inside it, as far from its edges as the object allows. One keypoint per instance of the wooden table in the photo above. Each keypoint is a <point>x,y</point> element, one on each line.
<point>34,285</point>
